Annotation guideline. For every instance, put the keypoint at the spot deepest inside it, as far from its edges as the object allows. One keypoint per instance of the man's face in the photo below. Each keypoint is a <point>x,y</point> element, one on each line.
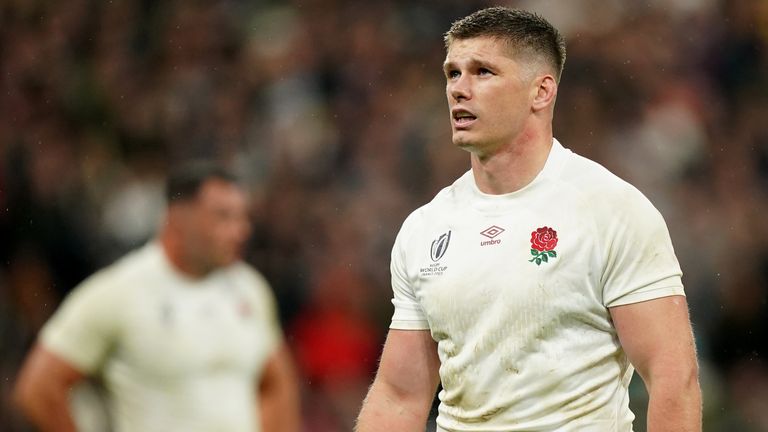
<point>216,225</point>
<point>489,94</point>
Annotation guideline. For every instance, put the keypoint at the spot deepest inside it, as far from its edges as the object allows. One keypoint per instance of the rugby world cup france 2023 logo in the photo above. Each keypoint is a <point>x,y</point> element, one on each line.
<point>439,246</point>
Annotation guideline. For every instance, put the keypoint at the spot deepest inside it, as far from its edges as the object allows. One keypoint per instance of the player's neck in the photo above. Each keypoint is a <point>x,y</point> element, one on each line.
<point>513,166</point>
<point>175,253</point>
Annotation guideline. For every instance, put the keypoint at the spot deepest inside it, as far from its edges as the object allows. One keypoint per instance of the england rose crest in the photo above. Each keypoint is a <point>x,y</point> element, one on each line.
<point>543,243</point>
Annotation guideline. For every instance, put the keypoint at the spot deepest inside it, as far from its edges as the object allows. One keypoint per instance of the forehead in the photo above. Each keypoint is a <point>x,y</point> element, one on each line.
<point>221,192</point>
<point>484,48</point>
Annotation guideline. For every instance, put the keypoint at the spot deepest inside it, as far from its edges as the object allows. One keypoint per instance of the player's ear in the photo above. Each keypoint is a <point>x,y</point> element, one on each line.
<point>546,92</point>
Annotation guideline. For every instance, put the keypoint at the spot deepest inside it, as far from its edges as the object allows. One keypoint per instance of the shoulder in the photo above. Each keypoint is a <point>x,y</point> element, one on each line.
<point>615,208</point>
<point>444,203</point>
<point>114,279</point>
<point>605,192</point>
<point>98,305</point>
<point>250,279</point>
<point>249,274</point>
<point>256,291</point>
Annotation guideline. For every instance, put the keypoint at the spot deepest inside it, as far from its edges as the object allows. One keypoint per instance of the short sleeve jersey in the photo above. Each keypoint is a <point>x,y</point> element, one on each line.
<point>175,354</point>
<point>516,290</point>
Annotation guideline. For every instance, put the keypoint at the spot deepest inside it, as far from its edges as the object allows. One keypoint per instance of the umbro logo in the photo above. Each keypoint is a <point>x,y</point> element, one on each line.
<point>491,232</point>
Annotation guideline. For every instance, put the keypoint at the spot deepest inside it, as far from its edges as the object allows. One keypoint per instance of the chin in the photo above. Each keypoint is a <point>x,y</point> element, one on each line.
<point>464,144</point>
<point>460,139</point>
<point>226,260</point>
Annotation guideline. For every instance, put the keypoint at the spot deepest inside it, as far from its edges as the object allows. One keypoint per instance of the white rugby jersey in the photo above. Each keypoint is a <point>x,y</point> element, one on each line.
<point>516,288</point>
<point>176,354</point>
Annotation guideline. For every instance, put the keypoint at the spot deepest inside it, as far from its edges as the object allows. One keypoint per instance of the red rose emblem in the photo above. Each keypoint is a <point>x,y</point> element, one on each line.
<point>544,239</point>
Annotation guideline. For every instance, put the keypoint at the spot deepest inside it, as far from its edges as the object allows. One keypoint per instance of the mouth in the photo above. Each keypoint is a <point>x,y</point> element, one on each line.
<point>462,118</point>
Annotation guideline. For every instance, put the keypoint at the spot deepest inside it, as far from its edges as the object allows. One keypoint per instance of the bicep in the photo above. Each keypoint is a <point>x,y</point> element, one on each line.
<point>86,327</point>
<point>43,370</point>
<point>279,370</point>
<point>656,335</point>
<point>409,364</point>
<point>279,393</point>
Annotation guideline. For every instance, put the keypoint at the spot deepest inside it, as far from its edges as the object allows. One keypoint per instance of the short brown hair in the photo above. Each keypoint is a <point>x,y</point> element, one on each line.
<point>185,180</point>
<point>526,32</point>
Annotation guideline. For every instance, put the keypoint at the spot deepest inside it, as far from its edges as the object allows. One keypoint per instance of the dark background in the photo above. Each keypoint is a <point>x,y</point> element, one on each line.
<point>334,112</point>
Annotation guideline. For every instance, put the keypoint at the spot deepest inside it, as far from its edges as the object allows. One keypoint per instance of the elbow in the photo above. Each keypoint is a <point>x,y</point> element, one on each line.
<point>676,377</point>
<point>687,385</point>
<point>32,392</point>
<point>24,396</point>
<point>689,374</point>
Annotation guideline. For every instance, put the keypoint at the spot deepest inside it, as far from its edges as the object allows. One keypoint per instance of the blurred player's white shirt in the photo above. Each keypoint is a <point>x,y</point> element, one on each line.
<point>176,354</point>
<point>529,345</point>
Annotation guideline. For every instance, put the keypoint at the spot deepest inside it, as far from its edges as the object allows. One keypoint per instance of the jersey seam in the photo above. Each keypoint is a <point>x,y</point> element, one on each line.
<point>593,226</point>
<point>641,294</point>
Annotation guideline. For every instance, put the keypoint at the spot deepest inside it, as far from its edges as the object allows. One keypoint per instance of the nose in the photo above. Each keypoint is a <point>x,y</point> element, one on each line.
<point>459,89</point>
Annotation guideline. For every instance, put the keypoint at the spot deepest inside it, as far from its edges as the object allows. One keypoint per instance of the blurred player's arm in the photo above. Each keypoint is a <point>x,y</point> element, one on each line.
<point>405,384</point>
<point>279,394</point>
<point>43,388</point>
<point>658,340</point>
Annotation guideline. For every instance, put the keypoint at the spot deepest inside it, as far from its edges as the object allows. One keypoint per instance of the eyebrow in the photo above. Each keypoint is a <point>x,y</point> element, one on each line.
<point>472,63</point>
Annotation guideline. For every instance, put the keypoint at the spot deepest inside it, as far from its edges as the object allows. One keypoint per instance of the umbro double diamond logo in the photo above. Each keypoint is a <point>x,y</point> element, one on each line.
<point>491,232</point>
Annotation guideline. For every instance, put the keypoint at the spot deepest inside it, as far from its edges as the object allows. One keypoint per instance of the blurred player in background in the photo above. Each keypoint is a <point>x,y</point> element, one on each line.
<point>183,333</point>
<point>534,285</point>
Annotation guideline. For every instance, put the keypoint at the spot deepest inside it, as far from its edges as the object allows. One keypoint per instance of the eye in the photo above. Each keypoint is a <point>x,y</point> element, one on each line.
<point>484,71</point>
<point>452,74</point>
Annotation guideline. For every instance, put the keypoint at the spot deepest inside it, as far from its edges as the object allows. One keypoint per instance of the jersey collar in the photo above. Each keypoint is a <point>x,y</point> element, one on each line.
<point>498,203</point>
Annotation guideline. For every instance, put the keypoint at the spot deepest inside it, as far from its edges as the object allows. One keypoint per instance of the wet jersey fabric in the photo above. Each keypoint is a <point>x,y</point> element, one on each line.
<point>516,290</point>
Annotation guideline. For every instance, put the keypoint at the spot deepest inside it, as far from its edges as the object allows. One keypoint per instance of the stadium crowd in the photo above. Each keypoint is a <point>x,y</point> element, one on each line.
<point>334,113</point>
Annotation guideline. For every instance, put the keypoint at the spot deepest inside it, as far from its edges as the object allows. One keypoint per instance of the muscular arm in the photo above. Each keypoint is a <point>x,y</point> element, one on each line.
<point>657,337</point>
<point>279,394</point>
<point>405,384</point>
<point>42,390</point>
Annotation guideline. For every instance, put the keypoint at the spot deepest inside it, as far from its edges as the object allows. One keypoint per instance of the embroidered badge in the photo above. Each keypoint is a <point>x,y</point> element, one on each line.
<point>440,246</point>
<point>436,252</point>
<point>543,242</point>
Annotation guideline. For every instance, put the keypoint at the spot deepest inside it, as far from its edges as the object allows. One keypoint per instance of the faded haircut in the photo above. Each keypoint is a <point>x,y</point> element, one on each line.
<point>527,33</point>
<point>185,180</point>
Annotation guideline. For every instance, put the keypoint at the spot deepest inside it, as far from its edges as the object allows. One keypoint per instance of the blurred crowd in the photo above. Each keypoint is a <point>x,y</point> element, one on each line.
<point>334,113</point>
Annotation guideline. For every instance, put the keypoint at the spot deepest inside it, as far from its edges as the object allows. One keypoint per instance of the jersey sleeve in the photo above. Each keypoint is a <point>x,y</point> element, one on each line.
<point>408,313</point>
<point>265,301</point>
<point>84,328</point>
<point>640,263</point>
